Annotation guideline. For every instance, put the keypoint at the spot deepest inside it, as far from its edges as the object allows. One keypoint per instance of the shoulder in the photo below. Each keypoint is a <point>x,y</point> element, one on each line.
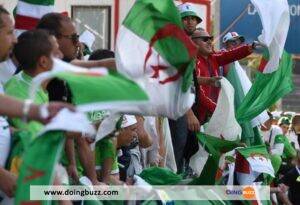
<point>276,130</point>
<point>14,87</point>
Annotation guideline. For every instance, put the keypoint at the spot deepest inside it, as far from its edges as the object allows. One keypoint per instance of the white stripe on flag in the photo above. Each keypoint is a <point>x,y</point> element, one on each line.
<point>275,18</point>
<point>33,10</point>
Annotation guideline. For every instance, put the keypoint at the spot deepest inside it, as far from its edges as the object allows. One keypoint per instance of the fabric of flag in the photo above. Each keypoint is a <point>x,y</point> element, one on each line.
<point>95,89</point>
<point>207,162</point>
<point>241,84</point>
<point>251,162</point>
<point>42,154</point>
<point>222,123</point>
<point>275,18</point>
<point>162,57</point>
<point>29,12</point>
<point>266,90</point>
<point>38,166</point>
<point>160,176</point>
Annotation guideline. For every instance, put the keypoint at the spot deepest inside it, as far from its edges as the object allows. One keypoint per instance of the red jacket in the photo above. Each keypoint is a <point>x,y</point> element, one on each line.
<point>208,95</point>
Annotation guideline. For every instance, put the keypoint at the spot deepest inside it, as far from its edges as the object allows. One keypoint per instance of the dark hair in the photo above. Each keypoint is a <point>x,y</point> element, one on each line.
<point>31,46</point>
<point>100,54</point>
<point>52,22</point>
<point>270,115</point>
<point>2,11</point>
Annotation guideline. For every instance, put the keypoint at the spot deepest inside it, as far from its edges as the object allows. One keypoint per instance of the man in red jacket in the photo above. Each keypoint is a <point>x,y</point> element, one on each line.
<point>208,63</point>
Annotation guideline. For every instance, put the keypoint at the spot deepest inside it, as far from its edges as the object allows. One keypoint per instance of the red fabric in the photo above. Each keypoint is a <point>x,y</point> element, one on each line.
<point>241,165</point>
<point>25,22</point>
<point>208,95</point>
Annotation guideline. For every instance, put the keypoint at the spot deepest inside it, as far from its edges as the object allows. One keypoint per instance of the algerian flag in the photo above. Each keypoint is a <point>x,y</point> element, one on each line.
<point>273,84</point>
<point>223,124</point>
<point>222,134</point>
<point>95,89</point>
<point>38,165</point>
<point>153,50</point>
<point>29,12</point>
<point>241,83</point>
<point>245,84</point>
<point>266,90</point>
<point>283,147</point>
<point>251,162</point>
<point>206,162</point>
<point>65,120</point>
<point>43,154</point>
<point>275,18</point>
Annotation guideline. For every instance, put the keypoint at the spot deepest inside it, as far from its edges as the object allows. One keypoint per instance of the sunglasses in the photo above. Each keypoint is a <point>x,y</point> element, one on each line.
<point>204,38</point>
<point>74,37</point>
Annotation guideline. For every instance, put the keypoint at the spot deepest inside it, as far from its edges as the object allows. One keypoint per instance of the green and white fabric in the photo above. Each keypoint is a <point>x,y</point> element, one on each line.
<point>223,124</point>
<point>95,89</point>
<point>246,85</point>
<point>221,134</point>
<point>283,147</point>
<point>276,65</point>
<point>208,161</point>
<point>275,19</point>
<point>267,89</point>
<point>29,12</point>
<point>161,59</point>
<point>48,147</point>
<point>251,162</point>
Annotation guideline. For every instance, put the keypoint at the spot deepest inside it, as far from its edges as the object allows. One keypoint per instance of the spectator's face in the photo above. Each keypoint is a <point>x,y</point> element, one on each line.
<point>204,42</point>
<point>68,40</point>
<point>7,37</point>
<point>189,24</point>
<point>233,43</point>
<point>284,128</point>
<point>267,125</point>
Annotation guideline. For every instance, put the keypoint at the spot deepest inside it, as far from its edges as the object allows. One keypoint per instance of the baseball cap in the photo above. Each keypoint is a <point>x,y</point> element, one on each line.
<point>128,120</point>
<point>187,9</point>
<point>232,36</point>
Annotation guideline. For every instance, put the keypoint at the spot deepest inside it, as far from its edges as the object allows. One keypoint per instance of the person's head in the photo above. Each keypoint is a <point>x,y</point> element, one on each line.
<point>296,124</point>
<point>190,19</point>
<point>284,123</point>
<point>100,54</point>
<point>267,125</point>
<point>7,37</point>
<point>232,40</point>
<point>64,30</point>
<point>203,41</point>
<point>34,51</point>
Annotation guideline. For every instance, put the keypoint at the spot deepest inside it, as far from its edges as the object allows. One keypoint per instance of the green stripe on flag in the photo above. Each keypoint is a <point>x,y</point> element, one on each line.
<point>239,95</point>
<point>87,88</point>
<point>215,147</point>
<point>40,2</point>
<point>250,136</point>
<point>267,89</point>
<point>39,165</point>
<point>159,23</point>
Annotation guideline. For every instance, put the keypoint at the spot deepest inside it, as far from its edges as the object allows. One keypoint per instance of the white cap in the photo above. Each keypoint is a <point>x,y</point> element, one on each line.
<point>187,9</point>
<point>88,38</point>
<point>128,120</point>
<point>232,36</point>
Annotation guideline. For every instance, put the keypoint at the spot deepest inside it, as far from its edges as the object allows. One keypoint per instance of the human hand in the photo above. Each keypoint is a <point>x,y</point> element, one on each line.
<point>8,182</point>
<point>44,113</point>
<point>72,172</point>
<point>193,122</point>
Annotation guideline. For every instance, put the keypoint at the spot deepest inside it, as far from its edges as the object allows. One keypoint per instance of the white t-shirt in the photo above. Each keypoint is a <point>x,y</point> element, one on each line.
<point>293,138</point>
<point>7,70</point>
<point>269,136</point>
